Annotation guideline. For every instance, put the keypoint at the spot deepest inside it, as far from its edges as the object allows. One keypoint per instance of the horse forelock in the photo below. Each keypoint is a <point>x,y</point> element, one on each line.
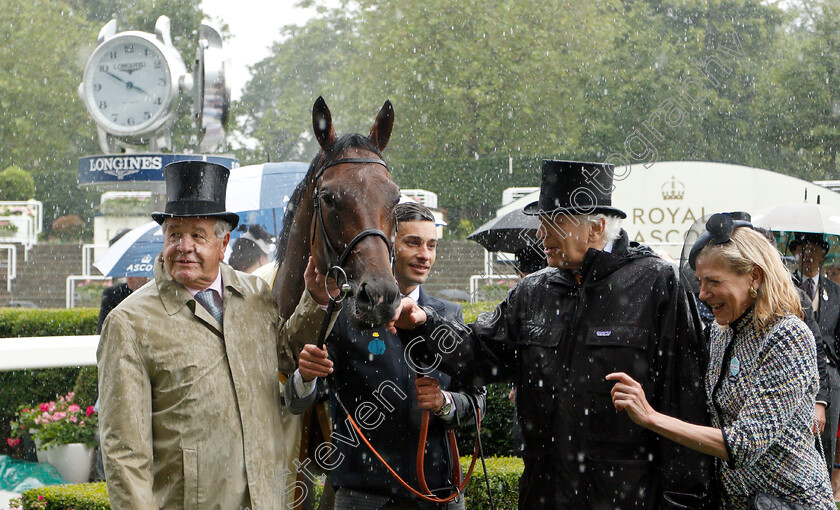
<point>343,144</point>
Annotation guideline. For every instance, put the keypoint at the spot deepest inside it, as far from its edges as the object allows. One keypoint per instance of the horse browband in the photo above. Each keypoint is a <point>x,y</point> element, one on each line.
<point>372,161</point>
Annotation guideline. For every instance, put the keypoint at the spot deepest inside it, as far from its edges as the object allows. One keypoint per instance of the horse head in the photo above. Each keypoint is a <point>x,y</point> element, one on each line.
<point>353,223</point>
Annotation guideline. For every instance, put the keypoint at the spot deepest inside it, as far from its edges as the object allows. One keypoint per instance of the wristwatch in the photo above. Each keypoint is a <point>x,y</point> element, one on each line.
<point>446,408</point>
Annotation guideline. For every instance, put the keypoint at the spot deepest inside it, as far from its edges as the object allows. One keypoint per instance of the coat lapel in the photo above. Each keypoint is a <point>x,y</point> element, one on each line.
<point>175,296</point>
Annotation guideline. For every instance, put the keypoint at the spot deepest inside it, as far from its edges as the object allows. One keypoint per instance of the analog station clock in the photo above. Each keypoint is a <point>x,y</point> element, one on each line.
<point>131,83</point>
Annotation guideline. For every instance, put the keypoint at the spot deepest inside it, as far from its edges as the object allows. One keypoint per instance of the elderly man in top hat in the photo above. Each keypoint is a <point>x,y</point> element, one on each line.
<point>188,365</point>
<point>810,250</point>
<point>603,304</point>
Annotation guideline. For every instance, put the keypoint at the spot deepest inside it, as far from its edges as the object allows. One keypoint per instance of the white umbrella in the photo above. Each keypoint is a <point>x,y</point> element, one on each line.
<point>815,218</point>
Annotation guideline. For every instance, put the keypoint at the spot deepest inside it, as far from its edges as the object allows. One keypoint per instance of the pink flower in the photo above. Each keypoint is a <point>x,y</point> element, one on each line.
<point>12,442</point>
<point>40,498</point>
<point>52,406</point>
<point>59,416</point>
<point>89,411</point>
<point>44,407</point>
<point>25,410</point>
<point>38,420</point>
<point>73,418</point>
<point>82,423</point>
<point>73,408</point>
<point>70,396</point>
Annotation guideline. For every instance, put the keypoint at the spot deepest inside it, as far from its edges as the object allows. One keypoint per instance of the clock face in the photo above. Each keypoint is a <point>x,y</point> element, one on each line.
<point>128,86</point>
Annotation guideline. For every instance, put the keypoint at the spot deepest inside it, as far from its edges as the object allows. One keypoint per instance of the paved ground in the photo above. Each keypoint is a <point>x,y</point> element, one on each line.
<point>5,497</point>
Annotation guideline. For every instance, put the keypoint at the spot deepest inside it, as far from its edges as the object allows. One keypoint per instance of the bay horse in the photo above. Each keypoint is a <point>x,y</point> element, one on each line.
<point>343,209</point>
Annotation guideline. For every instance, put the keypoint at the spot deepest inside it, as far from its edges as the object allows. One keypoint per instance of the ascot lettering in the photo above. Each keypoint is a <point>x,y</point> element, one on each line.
<point>139,267</point>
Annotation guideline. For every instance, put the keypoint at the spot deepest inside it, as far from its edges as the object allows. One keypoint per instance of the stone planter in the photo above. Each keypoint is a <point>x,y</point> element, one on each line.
<point>72,461</point>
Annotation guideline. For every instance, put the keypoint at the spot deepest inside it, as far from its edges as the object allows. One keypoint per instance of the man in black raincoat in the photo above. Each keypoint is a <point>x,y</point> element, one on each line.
<point>604,305</point>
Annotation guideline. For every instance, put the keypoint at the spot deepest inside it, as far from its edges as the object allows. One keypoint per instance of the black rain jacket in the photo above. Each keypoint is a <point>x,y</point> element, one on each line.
<point>558,339</point>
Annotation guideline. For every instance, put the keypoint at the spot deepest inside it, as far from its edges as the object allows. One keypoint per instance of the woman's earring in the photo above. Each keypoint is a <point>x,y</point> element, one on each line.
<point>753,293</point>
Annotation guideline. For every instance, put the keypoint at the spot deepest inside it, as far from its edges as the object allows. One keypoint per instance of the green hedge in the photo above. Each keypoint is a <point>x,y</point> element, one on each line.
<point>26,387</point>
<point>86,496</point>
<point>473,310</point>
<point>503,473</point>
<point>21,322</point>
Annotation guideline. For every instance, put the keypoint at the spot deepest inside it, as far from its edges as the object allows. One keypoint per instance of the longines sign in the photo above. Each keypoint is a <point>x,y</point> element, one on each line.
<point>129,168</point>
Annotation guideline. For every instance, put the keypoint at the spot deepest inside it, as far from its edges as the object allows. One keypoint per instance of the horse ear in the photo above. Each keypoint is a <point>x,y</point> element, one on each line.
<point>322,123</point>
<point>380,133</point>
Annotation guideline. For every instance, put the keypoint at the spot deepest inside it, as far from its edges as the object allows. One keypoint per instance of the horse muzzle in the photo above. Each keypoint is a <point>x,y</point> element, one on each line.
<point>372,303</point>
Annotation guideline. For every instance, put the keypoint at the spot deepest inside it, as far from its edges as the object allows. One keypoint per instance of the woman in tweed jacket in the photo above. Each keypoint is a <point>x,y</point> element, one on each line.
<point>762,377</point>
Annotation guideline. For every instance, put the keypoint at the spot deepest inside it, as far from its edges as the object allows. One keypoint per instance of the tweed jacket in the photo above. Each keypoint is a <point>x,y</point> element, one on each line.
<point>189,408</point>
<point>761,387</point>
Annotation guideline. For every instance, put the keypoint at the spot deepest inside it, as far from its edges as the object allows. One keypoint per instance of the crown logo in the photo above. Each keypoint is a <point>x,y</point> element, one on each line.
<point>674,190</point>
<point>146,259</point>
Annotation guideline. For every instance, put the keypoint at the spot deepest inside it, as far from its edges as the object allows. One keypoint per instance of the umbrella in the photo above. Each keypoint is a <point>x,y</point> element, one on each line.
<point>816,218</point>
<point>259,193</point>
<point>509,233</point>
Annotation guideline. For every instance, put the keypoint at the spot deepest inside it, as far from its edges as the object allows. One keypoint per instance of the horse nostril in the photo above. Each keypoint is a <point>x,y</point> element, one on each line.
<point>362,297</point>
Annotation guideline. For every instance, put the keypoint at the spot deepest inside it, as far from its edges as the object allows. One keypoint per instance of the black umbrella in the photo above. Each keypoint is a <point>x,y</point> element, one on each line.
<point>509,233</point>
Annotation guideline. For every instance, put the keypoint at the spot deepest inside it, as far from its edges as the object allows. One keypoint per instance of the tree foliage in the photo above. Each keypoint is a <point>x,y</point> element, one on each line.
<point>15,184</point>
<point>474,84</point>
<point>43,123</point>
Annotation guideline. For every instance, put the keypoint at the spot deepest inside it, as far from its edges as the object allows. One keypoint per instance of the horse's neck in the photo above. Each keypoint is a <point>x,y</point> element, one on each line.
<point>289,283</point>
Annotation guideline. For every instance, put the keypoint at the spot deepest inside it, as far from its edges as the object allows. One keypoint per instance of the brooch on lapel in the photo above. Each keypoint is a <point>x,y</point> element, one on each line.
<point>376,346</point>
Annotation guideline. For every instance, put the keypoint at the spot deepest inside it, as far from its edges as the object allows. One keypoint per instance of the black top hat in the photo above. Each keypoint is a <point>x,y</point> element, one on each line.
<point>196,189</point>
<point>574,187</point>
<point>800,238</point>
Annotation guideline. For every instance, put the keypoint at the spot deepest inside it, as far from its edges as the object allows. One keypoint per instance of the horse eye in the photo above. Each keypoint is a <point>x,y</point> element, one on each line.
<point>328,199</point>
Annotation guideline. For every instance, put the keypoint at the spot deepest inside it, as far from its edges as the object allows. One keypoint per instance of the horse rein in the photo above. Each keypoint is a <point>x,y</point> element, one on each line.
<point>336,264</point>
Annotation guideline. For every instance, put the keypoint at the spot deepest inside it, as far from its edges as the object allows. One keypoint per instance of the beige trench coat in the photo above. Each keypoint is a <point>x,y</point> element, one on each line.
<point>189,414</point>
<point>291,449</point>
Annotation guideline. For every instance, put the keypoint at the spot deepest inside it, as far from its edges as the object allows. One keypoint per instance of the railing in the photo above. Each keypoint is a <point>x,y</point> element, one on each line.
<point>88,254</point>
<point>26,219</point>
<point>11,267</point>
<point>7,208</point>
<point>70,294</point>
<point>494,290</point>
<point>18,229</point>
<point>48,352</point>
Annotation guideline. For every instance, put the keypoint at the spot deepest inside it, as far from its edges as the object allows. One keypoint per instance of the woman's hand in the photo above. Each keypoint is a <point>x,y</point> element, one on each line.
<point>628,396</point>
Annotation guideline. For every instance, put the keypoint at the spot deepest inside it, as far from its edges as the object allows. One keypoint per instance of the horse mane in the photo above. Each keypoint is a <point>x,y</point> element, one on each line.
<point>345,142</point>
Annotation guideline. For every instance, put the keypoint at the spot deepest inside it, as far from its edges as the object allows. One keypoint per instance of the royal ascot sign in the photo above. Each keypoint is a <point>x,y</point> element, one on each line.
<point>663,199</point>
<point>131,171</point>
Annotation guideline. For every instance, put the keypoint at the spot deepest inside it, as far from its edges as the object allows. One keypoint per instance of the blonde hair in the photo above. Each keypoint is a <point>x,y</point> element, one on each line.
<point>746,250</point>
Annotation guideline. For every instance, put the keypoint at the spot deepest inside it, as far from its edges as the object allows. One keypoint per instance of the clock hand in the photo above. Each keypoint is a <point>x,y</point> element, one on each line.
<point>128,84</point>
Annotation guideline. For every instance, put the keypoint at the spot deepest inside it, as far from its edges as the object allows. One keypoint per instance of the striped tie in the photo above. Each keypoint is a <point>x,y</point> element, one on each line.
<point>207,299</point>
<point>810,288</point>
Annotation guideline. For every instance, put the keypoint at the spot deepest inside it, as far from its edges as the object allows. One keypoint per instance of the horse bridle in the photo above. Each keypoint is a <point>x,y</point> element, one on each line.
<point>336,265</point>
